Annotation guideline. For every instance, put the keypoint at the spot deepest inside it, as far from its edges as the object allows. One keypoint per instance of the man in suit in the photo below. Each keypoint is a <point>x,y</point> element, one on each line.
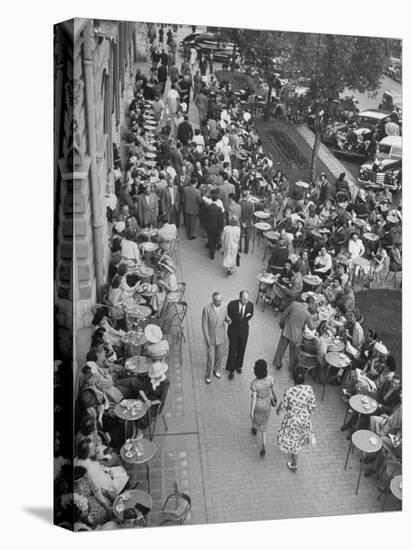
<point>246,220</point>
<point>214,223</point>
<point>213,327</point>
<point>185,131</point>
<point>292,323</point>
<point>225,190</point>
<point>192,201</point>
<point>325,189</point>
<point>239,313</point>
<point>176,157</point>
<point>148,208</point>
<point>169,201</point>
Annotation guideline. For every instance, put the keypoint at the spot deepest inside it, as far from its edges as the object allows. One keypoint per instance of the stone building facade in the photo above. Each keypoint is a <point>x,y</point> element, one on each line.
<point>93,70</point>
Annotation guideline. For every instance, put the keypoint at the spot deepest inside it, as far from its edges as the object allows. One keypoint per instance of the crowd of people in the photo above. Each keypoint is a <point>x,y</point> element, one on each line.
<point>218,182</point>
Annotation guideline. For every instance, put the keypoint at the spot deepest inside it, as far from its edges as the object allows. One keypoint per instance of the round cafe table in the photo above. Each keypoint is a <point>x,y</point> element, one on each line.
<point>336,345</point>
<point>260,228</point>
<point>150,155</point>
<point>264,279</point>
<point>272,236</point>
<point>395,487</point>
<point>130,499</point>
<point>262,215</point>
<point>361,404</point>
<point>367,442</point>
<point>126,414</point>
<point>136,313</point>
<point>134,342</point>
<point>309,294</point>
<point>148,452</point>
<point>312,282</point>
<point>336,360</point>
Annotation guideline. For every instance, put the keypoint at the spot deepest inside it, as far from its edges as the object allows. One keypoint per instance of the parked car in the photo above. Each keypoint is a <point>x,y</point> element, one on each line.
<point>394,69</point>
<point>391,102</point>
<point>386,168</point>
<point>348,140</point>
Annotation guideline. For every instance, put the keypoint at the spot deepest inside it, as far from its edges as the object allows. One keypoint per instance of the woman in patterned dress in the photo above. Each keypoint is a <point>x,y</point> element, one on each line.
<point>263,396</point>
<point>295,432</point>
<point>99,506</point>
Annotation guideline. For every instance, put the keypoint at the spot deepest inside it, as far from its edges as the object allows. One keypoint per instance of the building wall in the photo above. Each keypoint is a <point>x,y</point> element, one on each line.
<point>93,67</point>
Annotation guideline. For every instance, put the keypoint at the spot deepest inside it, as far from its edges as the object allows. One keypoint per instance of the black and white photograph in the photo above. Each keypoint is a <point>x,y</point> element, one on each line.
<point>210,263</point>
<point>228,263</point>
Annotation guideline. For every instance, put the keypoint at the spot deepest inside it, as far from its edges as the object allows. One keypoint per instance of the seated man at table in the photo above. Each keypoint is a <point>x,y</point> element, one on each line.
<point>322,263</point>
<point>279,255</point>
<point>166,234</point>
<point>288,287</point>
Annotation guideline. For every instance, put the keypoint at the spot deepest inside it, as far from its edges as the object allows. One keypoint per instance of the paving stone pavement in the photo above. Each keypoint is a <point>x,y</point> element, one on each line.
<point>208,447</point>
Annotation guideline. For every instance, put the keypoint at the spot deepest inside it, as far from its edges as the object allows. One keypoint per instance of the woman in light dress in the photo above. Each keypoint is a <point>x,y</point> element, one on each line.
<point>262,399</point>
<point>230,241</point>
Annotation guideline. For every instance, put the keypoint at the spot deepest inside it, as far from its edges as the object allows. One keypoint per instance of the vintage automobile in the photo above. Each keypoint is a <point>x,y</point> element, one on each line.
<point>391,102</point>
<point>394,69</point>
<point>386,168</point>
<point>356,139</point>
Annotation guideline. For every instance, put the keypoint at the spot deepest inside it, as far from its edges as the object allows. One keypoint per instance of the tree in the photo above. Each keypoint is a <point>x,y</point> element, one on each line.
<point>333,62</point>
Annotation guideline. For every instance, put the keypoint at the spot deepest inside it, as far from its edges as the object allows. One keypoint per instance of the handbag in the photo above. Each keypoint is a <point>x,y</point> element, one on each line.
<point>238,259</point>
<point>273,402</point>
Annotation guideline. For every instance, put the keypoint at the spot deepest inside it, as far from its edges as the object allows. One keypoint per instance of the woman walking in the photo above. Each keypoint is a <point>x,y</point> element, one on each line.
<point>262,399</point>
<point>295,432</point>
<point>230,241</point>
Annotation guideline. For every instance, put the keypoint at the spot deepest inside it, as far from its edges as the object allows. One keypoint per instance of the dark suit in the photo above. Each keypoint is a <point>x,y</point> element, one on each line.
<point>191,208</point>
<point>387,401</point>
<point>166,207</point>
<point>246,222</point>
<point>214,223</point>
<point>238,332</point>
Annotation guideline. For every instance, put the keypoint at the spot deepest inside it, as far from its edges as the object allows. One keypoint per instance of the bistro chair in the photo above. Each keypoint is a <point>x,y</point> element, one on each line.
<point>178,296</point>
<point>306,360</point>
<point>158,411</point>
<point>391,468</point>
<point>176,508</point>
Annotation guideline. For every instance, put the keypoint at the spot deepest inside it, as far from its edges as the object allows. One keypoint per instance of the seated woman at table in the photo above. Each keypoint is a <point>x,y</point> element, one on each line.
<point>346,298</point>
<point>322,263</point>
<point>355,332</point>
<point>312,219</point>
<point>153,389</point>
<point>326,215</point>
<point>168,284</point>
<point>109,480</point>
<point>303,263</point>
<point>132,229</point>
<point>356,250</point>
<point>102,453</point>
<point>288,287</point>
<point>97,507</point>
<point>286,223</point>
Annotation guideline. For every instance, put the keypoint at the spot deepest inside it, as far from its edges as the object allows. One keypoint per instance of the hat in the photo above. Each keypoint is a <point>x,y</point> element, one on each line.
<point>381,348</point>
<point>93,366</point>
<point>158,369</point>
<point>153,334</point>
<point>120,227</point>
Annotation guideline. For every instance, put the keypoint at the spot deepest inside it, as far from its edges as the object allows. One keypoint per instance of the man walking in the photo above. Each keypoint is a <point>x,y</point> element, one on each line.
<point>192,201</point>
<point>214,223</point>
<point>239,313</point>
<point>292,323</point>
<point>246,220</point>
<point>169,200</point>
<point>213,327</point>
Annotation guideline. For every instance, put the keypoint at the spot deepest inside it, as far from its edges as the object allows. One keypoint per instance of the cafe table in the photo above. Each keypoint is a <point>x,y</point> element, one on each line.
<point>130,410</point>
<point>367,442</point>
<point>361,404</point>
<point>337,345</point>
<point>259,229</point>
<point>311,282</point>
<point>395,488</point>
<point>264,279</point>
<point>335,360</point>
<point>309,294</point>
<point>363,264</point>
<point>148,233</point>
<point>150,155</point>
<point>134,340</point>
<point>141,452</point>
<point>262,214</point>
<point>129,499</point>
<point>136,313</point>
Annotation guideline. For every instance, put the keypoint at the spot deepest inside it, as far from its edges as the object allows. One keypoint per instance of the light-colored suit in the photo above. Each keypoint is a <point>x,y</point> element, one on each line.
<point>214,331</point>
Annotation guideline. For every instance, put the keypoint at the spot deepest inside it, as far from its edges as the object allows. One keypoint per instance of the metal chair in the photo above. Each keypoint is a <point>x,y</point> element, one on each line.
<point>176,508</point>
<point>306,360</point>
<point>391,468</point>
<point>159,411</point>
<point>172,322</point>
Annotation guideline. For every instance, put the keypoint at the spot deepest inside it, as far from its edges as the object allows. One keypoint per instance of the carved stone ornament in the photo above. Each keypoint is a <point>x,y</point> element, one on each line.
<point>74,91</point>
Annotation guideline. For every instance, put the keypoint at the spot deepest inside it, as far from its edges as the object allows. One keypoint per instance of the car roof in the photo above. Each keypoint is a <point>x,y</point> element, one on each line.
<point>392,141</point>
<point>375,113</point>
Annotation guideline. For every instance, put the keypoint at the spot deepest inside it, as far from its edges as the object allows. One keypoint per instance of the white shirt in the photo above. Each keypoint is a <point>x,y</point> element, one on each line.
<point>218,203</point>
<point>325,263</point>
<point>242,310</point>
<point>130,250</point>
<point>172,195</point>
<point>355,248</point>
<point>217,309</point>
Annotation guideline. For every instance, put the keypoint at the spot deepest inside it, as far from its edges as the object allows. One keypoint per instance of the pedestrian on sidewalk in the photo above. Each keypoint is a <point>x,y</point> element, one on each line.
<point>230,242</point>
<point>296,431</point>
<point>214,223</point>
<point>292,324</point>
<point>239,313</point>
<point>214,332</point>
<point>263,398</point>
<point>246,220</point>
<point>192,201</point>
<point>162,77</point>
<point>161,35</point>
